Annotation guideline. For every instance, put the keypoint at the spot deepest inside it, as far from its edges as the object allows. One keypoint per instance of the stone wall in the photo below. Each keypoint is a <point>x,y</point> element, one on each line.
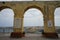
<point>19,8</point>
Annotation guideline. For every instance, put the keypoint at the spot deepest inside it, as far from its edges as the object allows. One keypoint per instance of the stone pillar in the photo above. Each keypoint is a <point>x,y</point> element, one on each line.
<point>17,24</point>
<point>49,29</point>
<point>17,29</point>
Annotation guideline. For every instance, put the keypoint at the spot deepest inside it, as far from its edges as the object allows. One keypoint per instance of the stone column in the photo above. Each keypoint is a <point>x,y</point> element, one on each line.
<point>49,29</point>
<point>17,24</point>
<point>18,28</point>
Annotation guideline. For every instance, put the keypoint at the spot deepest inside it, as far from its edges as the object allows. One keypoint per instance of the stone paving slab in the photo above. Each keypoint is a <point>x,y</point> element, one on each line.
<point>29,37</point>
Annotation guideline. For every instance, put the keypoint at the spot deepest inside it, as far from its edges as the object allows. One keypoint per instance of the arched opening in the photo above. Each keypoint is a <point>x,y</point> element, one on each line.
<point>33,21</point>
<point>6,20</point>
<point>57,19</point>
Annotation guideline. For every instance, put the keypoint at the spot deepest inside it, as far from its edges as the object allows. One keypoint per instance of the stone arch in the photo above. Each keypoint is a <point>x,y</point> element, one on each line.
<point>34,12</point>
<point>3,7</point>
<point>34,6</point>
<point>56,19</point>
<point>57,6</point>
<point>37,7</point>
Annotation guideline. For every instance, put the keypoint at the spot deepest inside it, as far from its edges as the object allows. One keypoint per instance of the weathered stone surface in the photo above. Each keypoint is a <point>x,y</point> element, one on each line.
<point>19,8</point>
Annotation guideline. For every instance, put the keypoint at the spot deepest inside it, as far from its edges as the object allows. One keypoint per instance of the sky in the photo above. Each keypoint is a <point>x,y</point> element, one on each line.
<point>32,17</point>
<point>6,17</point>
<point>57,16</point>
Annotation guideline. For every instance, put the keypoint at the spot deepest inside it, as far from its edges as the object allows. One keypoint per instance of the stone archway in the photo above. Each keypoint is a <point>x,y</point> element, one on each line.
<point>4,7</point>
<point>27,8</point>
<point>34,6</point>
<point>7,20</point>
<point>8,9</point>
<point>47,9</point>
<point>40,18</point>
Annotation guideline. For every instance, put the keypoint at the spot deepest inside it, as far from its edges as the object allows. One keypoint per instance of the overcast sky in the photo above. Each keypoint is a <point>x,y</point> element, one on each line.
<point>32,17</point>
<point>57,16</point>
<point>6,17</point>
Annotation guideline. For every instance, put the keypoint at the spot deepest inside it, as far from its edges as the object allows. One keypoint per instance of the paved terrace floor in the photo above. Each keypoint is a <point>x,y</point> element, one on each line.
<point>28,36</point>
